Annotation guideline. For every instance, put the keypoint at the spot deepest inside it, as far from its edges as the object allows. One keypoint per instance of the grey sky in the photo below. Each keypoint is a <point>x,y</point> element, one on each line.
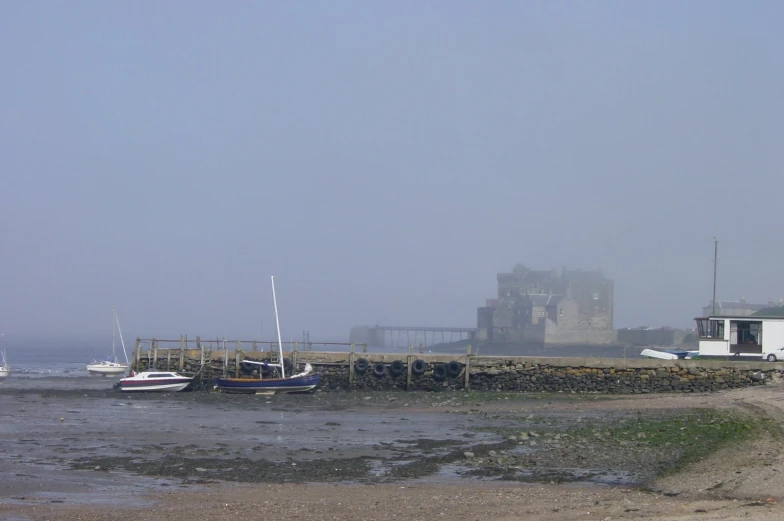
<point>384,160</point>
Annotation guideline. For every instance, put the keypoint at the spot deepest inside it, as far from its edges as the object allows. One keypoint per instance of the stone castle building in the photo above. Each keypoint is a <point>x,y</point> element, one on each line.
<point>547,307</point>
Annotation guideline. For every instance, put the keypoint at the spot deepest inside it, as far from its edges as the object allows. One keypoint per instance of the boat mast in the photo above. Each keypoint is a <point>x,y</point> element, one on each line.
<point>277,325</point>
<point>122,342</point>
<point>114,318</point>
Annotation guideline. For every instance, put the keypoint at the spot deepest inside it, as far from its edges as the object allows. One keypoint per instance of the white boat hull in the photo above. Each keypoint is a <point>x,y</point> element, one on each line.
<point>172,388</point>
<point>659,355</point>
<point>154,381</point>
<point>107,370</point>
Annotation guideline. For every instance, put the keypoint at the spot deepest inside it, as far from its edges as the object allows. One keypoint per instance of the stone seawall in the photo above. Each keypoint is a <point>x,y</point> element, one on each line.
<point>410,372</point>
<point>612,376</point>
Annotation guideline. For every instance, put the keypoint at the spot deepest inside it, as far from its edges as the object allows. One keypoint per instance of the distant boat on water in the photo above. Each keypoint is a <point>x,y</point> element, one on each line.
<point>5,369</point>
<point>111,367</point>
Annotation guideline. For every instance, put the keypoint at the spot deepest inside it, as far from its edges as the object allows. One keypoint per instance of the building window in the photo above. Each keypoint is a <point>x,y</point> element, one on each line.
<point>560,313</point>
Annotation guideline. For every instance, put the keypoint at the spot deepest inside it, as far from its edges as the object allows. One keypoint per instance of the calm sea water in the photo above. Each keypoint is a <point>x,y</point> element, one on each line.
<point>52,359</point>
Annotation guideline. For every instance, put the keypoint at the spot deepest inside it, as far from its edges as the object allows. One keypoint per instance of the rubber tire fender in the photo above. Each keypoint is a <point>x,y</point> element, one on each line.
<point>453,368</point>
<point>418,367</point>
<point>361,365</point>
<point>439,372</point>
<point>396,368</point>
<point>379,369</point>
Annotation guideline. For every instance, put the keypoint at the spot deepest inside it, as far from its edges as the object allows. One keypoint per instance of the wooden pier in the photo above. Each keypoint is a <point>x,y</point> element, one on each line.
<point>208,359</point>
<point>192,355</point>
<point>353,368</point>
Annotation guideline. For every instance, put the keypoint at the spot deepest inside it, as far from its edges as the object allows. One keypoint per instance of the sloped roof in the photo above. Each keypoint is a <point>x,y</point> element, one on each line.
<point>737,304</point>
<point>776,311</point>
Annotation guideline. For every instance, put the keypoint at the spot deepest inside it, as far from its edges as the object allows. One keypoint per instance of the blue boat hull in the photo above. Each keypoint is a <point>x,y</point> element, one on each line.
<point>296,384</point>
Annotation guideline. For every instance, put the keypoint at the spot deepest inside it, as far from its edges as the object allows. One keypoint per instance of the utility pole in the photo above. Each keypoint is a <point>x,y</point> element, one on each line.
<point>715,262</point>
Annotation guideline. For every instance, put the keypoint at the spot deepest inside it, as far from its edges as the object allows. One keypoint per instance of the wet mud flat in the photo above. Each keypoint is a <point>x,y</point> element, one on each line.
<point>101,445</point>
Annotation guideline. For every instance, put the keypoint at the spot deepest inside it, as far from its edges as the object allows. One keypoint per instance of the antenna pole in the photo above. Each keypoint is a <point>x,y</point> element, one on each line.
<point>715,262</point>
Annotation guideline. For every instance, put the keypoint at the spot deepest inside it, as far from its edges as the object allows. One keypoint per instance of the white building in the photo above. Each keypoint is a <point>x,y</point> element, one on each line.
<point>741,337</point>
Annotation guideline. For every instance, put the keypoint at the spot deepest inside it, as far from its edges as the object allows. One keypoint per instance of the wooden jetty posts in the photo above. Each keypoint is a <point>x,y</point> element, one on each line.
<point>207,359</point>
<point>193,355</point>
<point>350,367</point>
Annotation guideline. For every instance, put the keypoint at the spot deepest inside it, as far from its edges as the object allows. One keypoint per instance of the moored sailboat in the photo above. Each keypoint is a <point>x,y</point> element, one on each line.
<point>111,367</point>
<point>306,380</point>
<point>5,369</point>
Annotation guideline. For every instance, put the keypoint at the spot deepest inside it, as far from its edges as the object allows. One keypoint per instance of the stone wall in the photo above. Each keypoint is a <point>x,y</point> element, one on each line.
<point>621,377</point>
<point>512,374</point>
<point>611,376</point>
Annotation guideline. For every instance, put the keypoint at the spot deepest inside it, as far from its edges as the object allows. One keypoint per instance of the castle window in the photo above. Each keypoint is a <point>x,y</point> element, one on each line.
<point>561,312</point>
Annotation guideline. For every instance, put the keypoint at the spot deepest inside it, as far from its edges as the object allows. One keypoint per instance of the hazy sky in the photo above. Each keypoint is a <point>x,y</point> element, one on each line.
<point>384,160</point>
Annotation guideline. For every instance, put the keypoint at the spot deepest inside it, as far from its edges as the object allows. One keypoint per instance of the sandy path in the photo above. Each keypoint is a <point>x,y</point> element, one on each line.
<point>389,502</point>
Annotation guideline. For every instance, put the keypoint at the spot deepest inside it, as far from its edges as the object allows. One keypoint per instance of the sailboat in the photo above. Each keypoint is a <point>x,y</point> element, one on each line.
<point>306,380</point>
<point>111,367</point>
<point>5,369</point>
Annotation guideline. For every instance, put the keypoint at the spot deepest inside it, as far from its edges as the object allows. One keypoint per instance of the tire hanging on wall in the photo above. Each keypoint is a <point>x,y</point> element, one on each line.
<point>453,368</point>
<point>418,367</point>
<point>396,368</point>
<point>439,372</point>
<point>361,365</point>
<point>379,369</point>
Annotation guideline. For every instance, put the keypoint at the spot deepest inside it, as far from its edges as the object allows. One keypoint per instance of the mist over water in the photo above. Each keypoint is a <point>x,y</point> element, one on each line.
<point>383,160</point>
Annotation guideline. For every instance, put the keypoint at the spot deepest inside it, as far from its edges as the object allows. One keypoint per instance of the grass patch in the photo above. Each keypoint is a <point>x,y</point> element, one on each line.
<point>687,437</point>
<point>694,435</point>
<point>660,441</point>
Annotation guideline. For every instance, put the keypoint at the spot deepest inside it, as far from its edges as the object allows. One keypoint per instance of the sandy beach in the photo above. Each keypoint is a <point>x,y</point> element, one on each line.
<point>93,454</point>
